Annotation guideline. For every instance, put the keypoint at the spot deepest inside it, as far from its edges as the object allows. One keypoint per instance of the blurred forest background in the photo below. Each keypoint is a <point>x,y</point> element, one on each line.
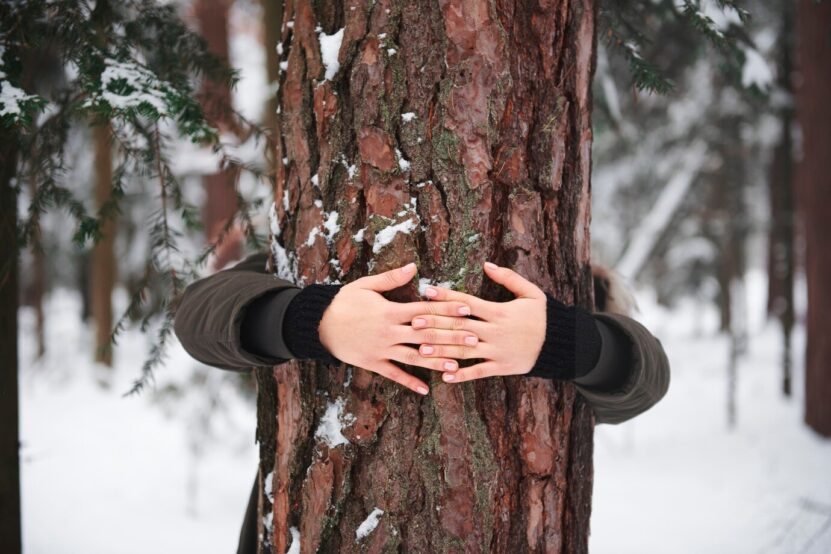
<point>699,202</point>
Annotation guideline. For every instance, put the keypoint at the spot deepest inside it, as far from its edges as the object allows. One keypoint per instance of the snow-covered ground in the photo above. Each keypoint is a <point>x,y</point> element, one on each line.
<point>162,472</point>
<point>106,474</point>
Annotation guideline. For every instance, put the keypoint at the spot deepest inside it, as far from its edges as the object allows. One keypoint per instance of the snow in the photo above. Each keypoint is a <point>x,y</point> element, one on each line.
<point>407,117</point>
<point>678,479</point>
<point>403,163</point>
<point>359,236</point>
<point>12,97</point>
<point>369,524</point>
<point>310,240</point>
<point>274,221</point>
<point>329,49</point>
<point>139,85</point>
<point>387,234</point>
<point>331,423</point>
<point>649,231</point>
<point>330,225</point>
<point>104,473</point>
<point>269,483</point>
<point>285,262</point>
<point>756,70</point>
<point>425,282</point>
<point>294,547</point>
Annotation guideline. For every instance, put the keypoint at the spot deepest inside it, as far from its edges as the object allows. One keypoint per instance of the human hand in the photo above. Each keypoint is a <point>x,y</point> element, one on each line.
<point>511,334</point>
<point>362,328</point>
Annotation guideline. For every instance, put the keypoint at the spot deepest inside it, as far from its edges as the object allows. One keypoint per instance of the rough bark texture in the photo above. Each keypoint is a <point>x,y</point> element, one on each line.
<point>814,182</point>
<point>103,271</point>
<point>220,188</point>
<point>9,424</point>
<point>494,165</point>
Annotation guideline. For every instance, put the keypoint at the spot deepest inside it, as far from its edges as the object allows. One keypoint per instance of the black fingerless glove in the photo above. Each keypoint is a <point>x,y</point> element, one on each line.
<point>302,319</point>
<point>572,343</point>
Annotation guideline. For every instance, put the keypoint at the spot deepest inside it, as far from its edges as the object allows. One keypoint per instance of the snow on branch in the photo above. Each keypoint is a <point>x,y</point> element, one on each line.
<point>649,232</point>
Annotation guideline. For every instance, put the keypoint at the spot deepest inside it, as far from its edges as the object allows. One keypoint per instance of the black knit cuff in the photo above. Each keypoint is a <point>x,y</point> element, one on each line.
<point>572,342</point>
<point>302,319</point>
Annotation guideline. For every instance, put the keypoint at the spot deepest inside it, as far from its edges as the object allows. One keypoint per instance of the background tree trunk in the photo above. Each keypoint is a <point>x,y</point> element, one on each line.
<point>9,423</point>
<point>272,19</point>
<point>103,271</point>
<point>814,182</point>
<point>781,247</point>
<point>491,162</point>
<point>220,188</point>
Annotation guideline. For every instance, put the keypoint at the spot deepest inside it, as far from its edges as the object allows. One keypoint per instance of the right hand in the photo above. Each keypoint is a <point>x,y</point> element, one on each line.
<point>362,328</point>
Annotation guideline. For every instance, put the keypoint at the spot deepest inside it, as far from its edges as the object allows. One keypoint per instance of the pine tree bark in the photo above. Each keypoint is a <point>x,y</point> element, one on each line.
<point>103,270</point>
<point>814,191</point>
<point>220,188</point>
<point>490,162</point>
<point>10,540</point>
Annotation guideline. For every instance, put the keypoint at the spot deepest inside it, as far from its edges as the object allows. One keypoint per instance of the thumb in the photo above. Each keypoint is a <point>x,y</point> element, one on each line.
<point>389,280</point>
<point>513,281</point>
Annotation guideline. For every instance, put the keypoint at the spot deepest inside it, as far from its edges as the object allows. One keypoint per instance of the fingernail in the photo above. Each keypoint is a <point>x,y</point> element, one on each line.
<point>464,310</point>
<point>427,349</point>
<point>408,268</point>
<point>449,366</point>
<point>471,340</point>
<point>431,292</point>
<point>491,265</point>
<point>419,322</point>
<point>423,390</point>
<point>448,377</point>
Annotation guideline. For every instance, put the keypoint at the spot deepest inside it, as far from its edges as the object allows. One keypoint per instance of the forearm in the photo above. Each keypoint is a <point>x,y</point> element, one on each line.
<point>296,323</point>
<point>616,363</point>
<point>210,315</point>
<point>580,347</point>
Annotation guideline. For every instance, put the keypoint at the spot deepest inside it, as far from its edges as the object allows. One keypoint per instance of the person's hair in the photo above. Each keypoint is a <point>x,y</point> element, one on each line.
<point>610,292</point>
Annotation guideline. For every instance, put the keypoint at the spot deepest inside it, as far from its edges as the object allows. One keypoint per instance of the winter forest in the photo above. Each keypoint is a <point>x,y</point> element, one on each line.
<point>212,340</point>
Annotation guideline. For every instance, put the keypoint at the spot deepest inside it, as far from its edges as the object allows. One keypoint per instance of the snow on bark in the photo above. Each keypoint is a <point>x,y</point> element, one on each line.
<point>329,49</point>
<point>369,524</point>
<point>329,430</point>
<point>294,548</point>
<point>387,234</point>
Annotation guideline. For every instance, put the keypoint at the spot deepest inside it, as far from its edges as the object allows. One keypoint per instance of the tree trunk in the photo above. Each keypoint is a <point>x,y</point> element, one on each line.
<point>9,423</point>
<point>467,124</point>
<point>103,271</point>
<point>33,294</point>
<point>220,188</point>
<point>272,19</point>
<point>814,182</point>
<point>781,247</point>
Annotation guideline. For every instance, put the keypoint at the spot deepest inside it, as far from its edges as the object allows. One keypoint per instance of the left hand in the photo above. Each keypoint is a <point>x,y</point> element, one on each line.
<point>511,334</point>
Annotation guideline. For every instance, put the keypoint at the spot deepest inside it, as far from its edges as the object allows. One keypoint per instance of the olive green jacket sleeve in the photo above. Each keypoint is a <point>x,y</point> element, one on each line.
<point>648,378</point>
<point>210,314</point>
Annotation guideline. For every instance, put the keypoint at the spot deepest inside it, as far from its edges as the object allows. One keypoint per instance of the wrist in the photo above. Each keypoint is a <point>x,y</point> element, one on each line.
<point>571,345</point>
<point>301,329</point>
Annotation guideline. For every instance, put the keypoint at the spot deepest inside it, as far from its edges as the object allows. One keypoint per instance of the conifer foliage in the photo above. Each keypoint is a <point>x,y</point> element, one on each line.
<point>133,65</point>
